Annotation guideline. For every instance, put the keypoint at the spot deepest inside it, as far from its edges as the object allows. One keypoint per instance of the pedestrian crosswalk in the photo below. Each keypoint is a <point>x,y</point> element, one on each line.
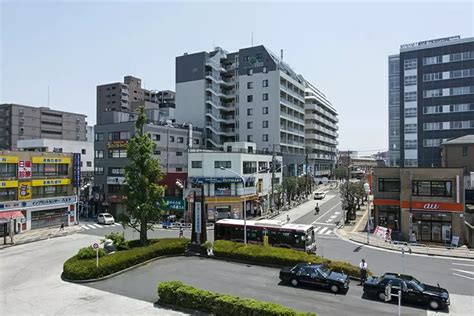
<point>98,226</point>
<point>324,231</point>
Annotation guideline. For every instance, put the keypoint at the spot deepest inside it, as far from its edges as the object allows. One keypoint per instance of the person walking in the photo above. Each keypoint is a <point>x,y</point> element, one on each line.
<point>287,217</point>
<point>181,232</point>
<point>62,227</point>
<point>363,271</point>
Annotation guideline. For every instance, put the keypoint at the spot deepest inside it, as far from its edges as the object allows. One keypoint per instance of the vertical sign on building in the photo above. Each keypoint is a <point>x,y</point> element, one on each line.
<point>76,170</point>
<point>197,217</point>
<point>24,169</point>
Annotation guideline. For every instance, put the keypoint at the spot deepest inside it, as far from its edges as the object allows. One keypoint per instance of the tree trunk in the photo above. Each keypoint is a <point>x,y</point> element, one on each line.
<point>143,233</point>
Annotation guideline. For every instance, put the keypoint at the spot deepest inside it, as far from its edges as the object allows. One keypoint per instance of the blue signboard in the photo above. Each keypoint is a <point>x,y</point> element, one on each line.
<point>197,180</point>
<point>76,170</point>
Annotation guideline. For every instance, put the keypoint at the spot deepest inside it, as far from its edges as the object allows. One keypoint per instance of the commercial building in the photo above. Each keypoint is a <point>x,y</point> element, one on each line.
<point>321,126</point>
<point>37,190</point>
<point>431,99</point>
<point>250,95</point>
<point>225,194</point>
<point>425,205</point>
<point>116,116</point>
<point>18,122</point>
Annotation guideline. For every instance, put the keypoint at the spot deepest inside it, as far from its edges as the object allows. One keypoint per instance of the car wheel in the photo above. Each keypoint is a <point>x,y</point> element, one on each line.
<point>334,288</point>
<point>294,282</point>
<point>434,304</point>
<point>381,296</point>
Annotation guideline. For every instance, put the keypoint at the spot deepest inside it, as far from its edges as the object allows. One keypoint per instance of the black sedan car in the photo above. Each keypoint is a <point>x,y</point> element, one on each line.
<point>413,291</point>
<point>315,275</point>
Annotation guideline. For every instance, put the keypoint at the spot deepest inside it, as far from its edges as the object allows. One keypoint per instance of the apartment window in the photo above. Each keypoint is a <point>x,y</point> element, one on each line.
<point>249,72</point>
<point>431,188</point>
<point>410,96</point>
<point>117,153</point>
<point>99,137</point>
<point>119,135</point>
<point>197,164</point>
<point>249,167</point>
<point>265,137</point>
<point>462,90</point>
<point>89,164</point>
<point>222,164</point>
<point>99,154</point>
<point>250,98</point>
<point>196,141</point>
<point>410,64</point>
<point>265,97</point>
<point>411,144</point>
<point>156,137</point>
<point>114,188</point>
<point>410,80</point>
<point>250,138</point>
<point>265,124</point>
<point>464,151</point>
<point>264,70</point>
<point>433,93</point>
<point>410,112</point>
<point>113,171</point>
<point>98,171</point>
<point>83,151</point>
<point>433,109</point>
<point>264,83</point>
<point>432,142</point>
<point>179,153</point>
<point>433,76</point>
<point>179,169</point>
<point>434,126</point>
<point>249,125</point>
<point>8,170</point>
<point>389,185</point>
<point>411,128</point>
<point>249,112</point>
<point>157,152</point>
<point>246,58</point>
<point>249,85</point>
<point>180,140</point>
<point>265,110</point>
<point>171,139</point>
<point>432,60</point>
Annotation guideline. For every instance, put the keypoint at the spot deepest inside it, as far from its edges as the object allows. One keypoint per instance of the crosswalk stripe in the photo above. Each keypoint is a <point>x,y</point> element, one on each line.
<point>117,224</point>
<point>316,229</point>
<point>463,276</point>
<point>97,225</point>
<point>85,227</point>
<point>323,230</point>
<point>91,226</point>
<point>329,232</point>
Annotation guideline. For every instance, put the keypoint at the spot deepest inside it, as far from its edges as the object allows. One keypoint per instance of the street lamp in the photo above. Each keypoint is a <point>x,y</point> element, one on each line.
<point>245,210</point>
<point>367,191</point>
<point>182,185</point>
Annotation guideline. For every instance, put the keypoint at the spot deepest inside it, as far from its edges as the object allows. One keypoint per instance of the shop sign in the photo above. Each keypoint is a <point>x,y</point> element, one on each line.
<point>59,160</point>
<point>174,203</point>
<point>76,170</point>
<point>197,180</point>
<point>46,182</point>
<point>197,217</point>
<point>38,202</point>
<point>117,144</point>
<point>8,159</point>
<point>24,169</point>
<point>24,191</point>
<point>8,184</point>
<point>431,206</point>
<point>115,180</point>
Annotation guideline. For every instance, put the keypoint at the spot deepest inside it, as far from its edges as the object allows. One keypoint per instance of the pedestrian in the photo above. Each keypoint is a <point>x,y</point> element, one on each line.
<point>62,227</point>
<point>181,232</point>
<point>228,214</point>
<point>287,217</point>
<point>363,271</point>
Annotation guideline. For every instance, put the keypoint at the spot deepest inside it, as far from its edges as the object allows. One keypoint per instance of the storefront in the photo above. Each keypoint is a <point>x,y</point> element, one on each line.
<point>430,227</point>
<point>388,216</point>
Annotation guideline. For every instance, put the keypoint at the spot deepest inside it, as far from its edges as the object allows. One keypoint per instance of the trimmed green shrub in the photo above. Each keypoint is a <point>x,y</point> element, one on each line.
<point>89,253</point>
<point>118,239</point>
<point>182,295</point>
<point>277,256</point>
<point>77,269</point>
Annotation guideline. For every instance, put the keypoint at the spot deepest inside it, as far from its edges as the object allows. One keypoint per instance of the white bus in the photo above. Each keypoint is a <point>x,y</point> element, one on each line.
<point>280,234</point>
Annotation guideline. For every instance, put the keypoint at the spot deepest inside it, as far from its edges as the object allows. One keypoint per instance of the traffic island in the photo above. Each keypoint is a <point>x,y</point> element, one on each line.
<point>178,295</point>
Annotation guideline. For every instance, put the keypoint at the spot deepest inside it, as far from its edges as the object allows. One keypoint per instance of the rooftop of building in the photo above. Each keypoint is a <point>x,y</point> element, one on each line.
<point>438,42</point>
<point>41,108</point>
<point>466,139</point>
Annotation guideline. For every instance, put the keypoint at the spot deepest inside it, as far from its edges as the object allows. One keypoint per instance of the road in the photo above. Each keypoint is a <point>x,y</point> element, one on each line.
<point>249,281</point>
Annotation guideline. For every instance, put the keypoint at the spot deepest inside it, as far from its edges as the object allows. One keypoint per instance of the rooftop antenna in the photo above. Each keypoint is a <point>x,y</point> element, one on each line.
<point>251,40</point>
<point>48,96</point>
<point>281,54</point>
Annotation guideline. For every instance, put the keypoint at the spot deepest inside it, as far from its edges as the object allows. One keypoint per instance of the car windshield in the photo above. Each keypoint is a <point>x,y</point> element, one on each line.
<point>324,271</point>
<point>416,284</point>
<point>108,215</point>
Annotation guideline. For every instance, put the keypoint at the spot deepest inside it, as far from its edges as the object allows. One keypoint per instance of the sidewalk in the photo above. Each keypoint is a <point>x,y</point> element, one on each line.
<point>39,234</point>
<point>357,234</point>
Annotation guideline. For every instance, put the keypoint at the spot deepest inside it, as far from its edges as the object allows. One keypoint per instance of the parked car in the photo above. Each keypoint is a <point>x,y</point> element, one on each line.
<point>315,275</point>
<point>105,218</point>
<point>413,291</point>
<point>319,195</point>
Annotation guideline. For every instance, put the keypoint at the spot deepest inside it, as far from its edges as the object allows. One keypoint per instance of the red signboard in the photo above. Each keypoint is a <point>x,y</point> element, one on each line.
<point>433,206</point>
<point>24,169</point>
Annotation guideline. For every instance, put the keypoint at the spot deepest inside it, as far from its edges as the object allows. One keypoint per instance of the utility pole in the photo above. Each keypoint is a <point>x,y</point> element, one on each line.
<point>307,168</point>
<point>273,178</point>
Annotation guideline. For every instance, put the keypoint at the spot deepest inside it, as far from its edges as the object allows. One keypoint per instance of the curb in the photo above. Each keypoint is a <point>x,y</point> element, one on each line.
<point>35,240</point>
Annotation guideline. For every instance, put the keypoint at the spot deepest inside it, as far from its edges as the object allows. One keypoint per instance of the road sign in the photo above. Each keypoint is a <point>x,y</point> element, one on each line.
<point>95,246</point>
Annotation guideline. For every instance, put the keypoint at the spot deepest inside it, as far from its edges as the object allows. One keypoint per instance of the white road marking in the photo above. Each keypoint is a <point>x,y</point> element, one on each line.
<point>323,230</point>
<point>333,216</point>
<point>117,224</point>
<point>463,276</point>
<point>327,212</point>
<point>85,227</point>
<point>463,264</point>
<point>316,229</point>
<point>464,271</point>
<point>337,213</point>
<point>91,226</point>
<point>96,225</point>
<point>329,220</point>
<point>329,232</point>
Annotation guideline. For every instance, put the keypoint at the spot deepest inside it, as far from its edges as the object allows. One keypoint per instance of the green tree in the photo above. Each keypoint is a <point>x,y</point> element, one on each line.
<point>143,196</point>
<point>278,196</point>
<point>290,187</point>
<point>340,173</point>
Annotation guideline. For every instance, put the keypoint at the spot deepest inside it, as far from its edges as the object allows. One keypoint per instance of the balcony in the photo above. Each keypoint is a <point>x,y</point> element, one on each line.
<point>320,119</point>
<point>292,106</point>
<point>320,110</point>
<point>286,116</point>
<point>220,118</point>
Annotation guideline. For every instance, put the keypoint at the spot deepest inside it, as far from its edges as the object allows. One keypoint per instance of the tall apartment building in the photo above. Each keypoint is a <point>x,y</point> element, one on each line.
<point>18,122</point>
<point>431,99</point>
<point>250,95</point>
<point>321,126</point>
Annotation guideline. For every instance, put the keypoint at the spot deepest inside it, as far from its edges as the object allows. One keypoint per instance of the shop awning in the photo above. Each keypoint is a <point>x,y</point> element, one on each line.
<point>10,214</point>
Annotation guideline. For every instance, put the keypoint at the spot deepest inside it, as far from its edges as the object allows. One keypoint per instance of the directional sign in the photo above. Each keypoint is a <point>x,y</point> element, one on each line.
<point>95,246</point>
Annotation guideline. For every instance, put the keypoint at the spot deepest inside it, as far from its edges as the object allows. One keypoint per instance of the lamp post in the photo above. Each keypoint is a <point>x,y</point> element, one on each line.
<point>367,191</point>
<point>182,185</point>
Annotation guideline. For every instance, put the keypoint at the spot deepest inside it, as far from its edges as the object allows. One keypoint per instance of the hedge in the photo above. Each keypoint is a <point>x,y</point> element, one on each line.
<point>182,295</point>
<point>277,256</point>
<point>85,269</point>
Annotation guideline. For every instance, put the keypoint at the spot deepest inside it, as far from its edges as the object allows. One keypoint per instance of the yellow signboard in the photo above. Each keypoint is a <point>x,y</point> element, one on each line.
<point>8,184</point>
<point>8,159</point>
<point>24,191</point>
<point>46,182</point>
<point>59,160</point>
<point>117,144</point>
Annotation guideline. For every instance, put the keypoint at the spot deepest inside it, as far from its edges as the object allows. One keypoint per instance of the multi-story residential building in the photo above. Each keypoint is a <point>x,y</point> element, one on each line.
<point>321,126</point>
<point>18,122</point>
<point>425,205</point>
<point>435,81</point>
<point>249,95</point>
<point>116,125</point>
<point>36,190</point>
<point>225,194</point>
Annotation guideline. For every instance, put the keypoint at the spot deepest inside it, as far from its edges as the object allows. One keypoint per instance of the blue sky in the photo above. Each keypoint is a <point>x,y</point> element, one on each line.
<point>342,47</point>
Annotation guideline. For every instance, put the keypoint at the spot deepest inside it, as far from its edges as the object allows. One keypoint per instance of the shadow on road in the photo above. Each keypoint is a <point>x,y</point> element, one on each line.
<point>394,301</point>
<point>314,288</point>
